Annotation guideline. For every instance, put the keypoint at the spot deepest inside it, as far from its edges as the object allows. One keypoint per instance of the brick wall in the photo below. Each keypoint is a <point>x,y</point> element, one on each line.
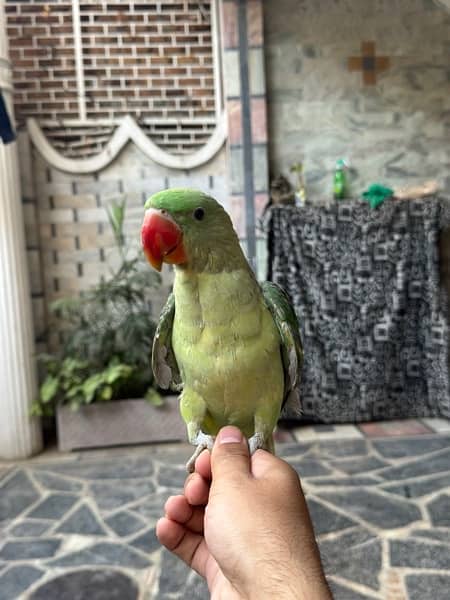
<point>153,60</point>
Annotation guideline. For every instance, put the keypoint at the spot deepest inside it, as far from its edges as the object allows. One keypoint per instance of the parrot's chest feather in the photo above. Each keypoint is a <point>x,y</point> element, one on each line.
<point>215,309</point>
<point>222,327</point>
<point>227,346</point>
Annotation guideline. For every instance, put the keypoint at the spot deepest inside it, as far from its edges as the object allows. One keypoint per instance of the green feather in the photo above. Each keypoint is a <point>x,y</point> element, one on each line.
<point>291,346</point>
<point>179,200</point>
<point>164,364</point>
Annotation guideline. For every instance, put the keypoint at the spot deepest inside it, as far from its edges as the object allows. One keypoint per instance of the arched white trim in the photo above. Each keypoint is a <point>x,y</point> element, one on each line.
<point>128,130</point>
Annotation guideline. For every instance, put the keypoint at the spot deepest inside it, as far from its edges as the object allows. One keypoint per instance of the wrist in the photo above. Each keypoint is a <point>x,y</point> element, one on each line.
<point>288,585</point>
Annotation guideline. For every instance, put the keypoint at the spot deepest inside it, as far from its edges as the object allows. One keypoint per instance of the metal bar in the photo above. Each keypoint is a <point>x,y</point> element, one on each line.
<point>79,59</point>
<point>249,190</point>
<point>217,56</point>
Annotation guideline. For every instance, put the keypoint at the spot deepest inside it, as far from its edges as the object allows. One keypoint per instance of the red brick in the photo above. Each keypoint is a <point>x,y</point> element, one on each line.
<point>259,120</point>
<point>24,63</point>
<point>156,60</point>
<point>20,42</point>
<point>234,114</point>
<point>48,19</point>
<point>187,60</point>
<point>146,28</point>
<point>175,71</point>
<point>149,93</point>
<point>162,83</point>
<point>205,27</point>
<point>254,22</point>
<point>229,24</point>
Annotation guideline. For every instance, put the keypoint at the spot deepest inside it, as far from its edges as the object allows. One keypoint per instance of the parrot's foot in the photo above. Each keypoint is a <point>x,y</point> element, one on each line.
<point>259,442</point>
<point>202,441</point>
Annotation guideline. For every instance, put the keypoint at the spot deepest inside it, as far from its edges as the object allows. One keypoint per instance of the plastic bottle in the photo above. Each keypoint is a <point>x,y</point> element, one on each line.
<point>340,180</point>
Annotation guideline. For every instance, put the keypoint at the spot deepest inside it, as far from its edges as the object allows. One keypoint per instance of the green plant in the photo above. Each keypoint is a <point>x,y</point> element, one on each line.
<point>107,337</point>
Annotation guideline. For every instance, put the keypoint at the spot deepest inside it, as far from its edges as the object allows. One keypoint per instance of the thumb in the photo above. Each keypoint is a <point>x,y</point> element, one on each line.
<point>230,455</point>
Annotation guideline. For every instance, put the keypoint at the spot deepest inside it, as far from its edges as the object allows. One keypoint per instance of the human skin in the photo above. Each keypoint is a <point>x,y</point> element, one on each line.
<point>242,523</point>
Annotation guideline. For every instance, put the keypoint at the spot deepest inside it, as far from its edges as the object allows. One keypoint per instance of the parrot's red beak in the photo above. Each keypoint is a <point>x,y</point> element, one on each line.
<point>162,239</point>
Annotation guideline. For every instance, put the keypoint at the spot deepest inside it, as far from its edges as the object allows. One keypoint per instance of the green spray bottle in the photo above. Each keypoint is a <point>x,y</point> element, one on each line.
<point>340,180</point>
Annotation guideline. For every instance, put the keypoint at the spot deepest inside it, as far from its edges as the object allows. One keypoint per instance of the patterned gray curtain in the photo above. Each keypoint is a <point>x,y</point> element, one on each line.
<point>373,316</point>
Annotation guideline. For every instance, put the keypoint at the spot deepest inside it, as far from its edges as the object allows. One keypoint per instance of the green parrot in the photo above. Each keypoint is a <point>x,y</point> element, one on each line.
<point>230,345</point>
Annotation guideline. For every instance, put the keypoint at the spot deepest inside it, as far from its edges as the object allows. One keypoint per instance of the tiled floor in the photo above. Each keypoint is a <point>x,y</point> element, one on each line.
<point>81,526</point>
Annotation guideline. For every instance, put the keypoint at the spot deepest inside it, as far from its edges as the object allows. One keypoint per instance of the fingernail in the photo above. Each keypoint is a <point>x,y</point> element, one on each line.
<point>230,435</point>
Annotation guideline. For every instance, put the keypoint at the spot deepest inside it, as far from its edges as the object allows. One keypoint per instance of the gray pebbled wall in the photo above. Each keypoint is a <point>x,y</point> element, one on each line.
<point>396,131</point>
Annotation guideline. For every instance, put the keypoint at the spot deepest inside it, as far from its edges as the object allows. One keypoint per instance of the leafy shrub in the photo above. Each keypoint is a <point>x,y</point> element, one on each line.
<point>108,335</point>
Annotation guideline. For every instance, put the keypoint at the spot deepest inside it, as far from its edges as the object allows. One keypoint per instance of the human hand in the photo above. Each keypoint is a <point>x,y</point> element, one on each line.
<point>244,526</point>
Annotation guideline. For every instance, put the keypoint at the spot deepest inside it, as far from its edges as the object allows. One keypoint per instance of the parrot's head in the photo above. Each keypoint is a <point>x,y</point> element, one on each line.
<point>188,228</point>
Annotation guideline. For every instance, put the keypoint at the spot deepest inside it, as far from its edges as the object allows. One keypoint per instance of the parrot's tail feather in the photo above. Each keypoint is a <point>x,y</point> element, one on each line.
<point>292,408</point>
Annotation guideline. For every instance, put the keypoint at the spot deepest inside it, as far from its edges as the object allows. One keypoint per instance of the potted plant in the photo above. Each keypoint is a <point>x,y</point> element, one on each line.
<point>100,384</point>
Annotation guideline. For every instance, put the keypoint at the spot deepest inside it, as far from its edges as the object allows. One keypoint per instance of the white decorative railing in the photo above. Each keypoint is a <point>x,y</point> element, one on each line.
<point>127,131</point>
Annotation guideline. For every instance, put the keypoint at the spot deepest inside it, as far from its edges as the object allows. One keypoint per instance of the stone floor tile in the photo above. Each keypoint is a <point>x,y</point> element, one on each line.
<point>124,523</point>
<point>151,507</point>
<point>326,520</point>
<point>293,449</point>
<point>17,580</point>
<point>355,556</point>
<point>415,488</point>
<point>422,586</point>
<point>356,465</point>
<point>196,588</point>
<point>57,483</point>
<point>439,511</point>
<point>53,507</point>
<point>112,495</point>
<point>106,553</point>
<point>98,584</point>
<point>29,549</point>
<point>341,592</point>
<point>17,493</point>
<point>406,427</point>
<point>337,449</point>
<point>438,462</point>
<point>374,508</point>
<point>29,528</point>
<point>440,535</point>
<point>409,447</point>
<point>349,481</point>
<point>170,476</point>
<point>82,522</point>
<point>174,575</point>
<point>417,554</point>
<point>146,542</point>
<point>128,467</point>
<point>309,467</point>
<point>438,425</point>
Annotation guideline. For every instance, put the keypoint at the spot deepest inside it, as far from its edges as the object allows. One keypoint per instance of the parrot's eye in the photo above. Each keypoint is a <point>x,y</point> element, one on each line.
<point>199,214</point>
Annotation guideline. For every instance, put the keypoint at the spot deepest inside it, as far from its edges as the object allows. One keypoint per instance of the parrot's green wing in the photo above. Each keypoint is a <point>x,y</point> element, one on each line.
<point>285,319</point>
<point>164,364</point>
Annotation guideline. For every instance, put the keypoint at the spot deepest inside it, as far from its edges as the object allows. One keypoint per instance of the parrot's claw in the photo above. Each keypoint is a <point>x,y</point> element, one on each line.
<point>259,441</point>
<point>202,441</point>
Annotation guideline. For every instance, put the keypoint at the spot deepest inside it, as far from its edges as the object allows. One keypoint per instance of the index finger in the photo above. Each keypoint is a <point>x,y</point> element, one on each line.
<point>203,465</point>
